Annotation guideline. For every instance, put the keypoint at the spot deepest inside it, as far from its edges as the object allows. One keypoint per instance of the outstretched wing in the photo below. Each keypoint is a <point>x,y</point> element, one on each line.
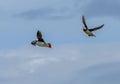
<point>96,28</point>
<point>84,22</point>
<point>39,36</point>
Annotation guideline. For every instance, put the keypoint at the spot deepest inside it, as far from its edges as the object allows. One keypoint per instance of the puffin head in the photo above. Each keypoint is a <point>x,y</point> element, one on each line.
<point>84,29</point>
<point>34,42</point>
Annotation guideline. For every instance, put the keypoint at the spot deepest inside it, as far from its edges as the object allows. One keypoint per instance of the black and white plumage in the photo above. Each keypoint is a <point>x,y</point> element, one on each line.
<point>89,31</point>
<point>40,42</point>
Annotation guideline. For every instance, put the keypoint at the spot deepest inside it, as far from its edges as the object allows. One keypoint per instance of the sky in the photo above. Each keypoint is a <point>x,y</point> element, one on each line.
<point>74,57</point>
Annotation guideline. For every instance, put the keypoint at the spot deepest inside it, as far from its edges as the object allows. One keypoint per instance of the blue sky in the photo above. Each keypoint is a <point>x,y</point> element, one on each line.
<point>74,58</point>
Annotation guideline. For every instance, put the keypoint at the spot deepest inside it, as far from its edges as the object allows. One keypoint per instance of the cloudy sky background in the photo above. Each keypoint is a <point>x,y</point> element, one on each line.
<point>74,58</point>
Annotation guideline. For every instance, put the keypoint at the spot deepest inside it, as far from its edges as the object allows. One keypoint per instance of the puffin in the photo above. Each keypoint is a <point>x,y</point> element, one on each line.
<point>89,31</point>
<point>40,42</point>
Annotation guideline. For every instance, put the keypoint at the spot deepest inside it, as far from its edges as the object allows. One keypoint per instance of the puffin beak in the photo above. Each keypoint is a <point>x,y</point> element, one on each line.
<point>49,45</point>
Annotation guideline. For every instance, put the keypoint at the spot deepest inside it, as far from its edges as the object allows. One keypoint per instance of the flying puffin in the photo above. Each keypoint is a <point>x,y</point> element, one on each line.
<point>40,42</point>
<point>89,31</point>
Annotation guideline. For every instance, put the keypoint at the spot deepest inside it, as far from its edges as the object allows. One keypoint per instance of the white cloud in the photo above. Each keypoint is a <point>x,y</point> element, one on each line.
<point>30,61</point>
<point>24,61</point>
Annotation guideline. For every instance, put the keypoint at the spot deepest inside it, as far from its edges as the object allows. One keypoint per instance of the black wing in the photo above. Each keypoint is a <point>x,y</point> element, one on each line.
<point>96,28</point>
<point>84,22</point>
<point>39,36</point>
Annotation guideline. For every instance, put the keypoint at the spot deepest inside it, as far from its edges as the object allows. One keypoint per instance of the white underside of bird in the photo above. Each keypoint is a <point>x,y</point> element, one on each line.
<point>41,44</point>
<point>89,33</point>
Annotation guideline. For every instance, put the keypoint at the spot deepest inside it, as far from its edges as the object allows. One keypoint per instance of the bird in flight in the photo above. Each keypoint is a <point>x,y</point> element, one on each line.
<point>89,31</point>
<point>40,42</point>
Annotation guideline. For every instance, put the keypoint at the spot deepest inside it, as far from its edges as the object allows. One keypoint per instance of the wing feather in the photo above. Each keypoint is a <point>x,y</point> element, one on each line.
<point>39,36</point>
<point>96,28</point>
<point>84,22</point>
